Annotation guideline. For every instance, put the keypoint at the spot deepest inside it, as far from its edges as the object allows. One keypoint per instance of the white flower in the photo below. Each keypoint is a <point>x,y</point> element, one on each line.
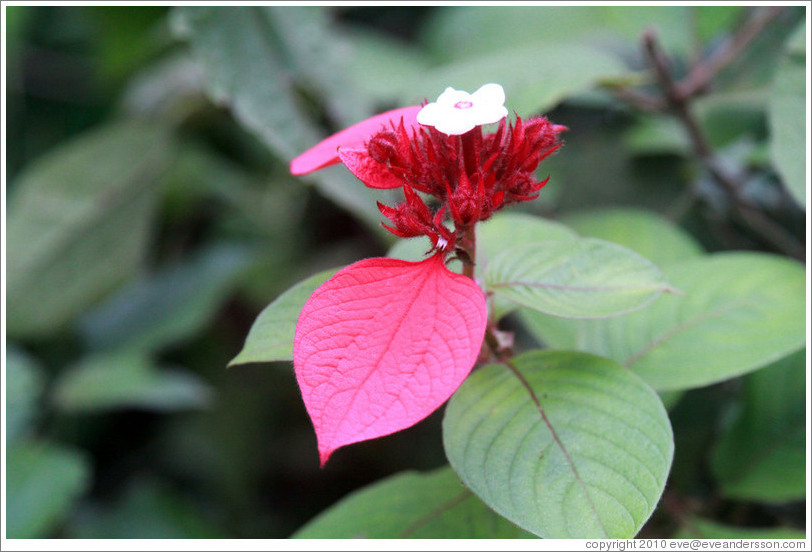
<point>457,112</point>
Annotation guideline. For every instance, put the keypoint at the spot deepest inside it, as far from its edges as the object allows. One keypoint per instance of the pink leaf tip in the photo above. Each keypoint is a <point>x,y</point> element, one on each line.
<point>325,153</point>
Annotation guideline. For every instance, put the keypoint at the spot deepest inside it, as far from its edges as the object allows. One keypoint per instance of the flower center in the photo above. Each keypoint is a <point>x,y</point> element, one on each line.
<point>464,104</point>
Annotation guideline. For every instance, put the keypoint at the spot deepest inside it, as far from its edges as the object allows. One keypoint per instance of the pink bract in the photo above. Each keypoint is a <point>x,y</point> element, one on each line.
<point>384,343</point>
<point>325,153</point>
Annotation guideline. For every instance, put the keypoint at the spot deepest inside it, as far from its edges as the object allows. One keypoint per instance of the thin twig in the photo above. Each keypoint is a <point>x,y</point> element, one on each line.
<point>771,232</point>
<point>703,72</point>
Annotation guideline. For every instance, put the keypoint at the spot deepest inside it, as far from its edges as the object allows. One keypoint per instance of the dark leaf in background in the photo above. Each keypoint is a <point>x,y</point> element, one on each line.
<point>79,223</point>
<point>24,385</point>
<point>761,455</point>
<point>127,379</point>
<point>169,305</point>
<point>44,481</point>
<point>787,110</point>
<point>149,510</point>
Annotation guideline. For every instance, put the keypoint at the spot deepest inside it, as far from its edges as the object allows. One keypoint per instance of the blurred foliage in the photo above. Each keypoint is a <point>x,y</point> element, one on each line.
<point>150,220</point>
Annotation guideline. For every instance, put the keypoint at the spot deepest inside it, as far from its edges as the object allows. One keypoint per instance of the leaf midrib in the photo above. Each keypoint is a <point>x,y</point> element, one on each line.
<point>679,328</point>
<point>523,381</point>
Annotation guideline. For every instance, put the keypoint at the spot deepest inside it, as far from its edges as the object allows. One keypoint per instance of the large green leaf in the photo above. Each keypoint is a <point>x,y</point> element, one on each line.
<point>449,34</point>
<point>652,236</point>
<point>564,444</point>
<point>78,223</point>
<point>381,65</point>
<point>169,305</point>
<point>787,116</point>
<point>25,381</point>
<point>258,59</point>
<point>44,480</point>
<point>127,379</point>
<point>583,278</point>
<point>253,60</point>
<point>737,312</point>
<point>271,337</point>
<point>525,73</point>
<point>762,455</point>
<point>411,505</point>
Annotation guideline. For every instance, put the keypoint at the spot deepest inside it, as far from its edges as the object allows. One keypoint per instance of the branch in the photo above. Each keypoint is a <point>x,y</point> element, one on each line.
<point>705,71</point>
<point>771,232</point>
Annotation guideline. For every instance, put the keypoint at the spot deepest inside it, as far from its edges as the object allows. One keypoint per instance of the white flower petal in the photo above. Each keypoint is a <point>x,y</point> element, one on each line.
<point>456,111</point>
<point>490,93</point>
<point>451,96</point>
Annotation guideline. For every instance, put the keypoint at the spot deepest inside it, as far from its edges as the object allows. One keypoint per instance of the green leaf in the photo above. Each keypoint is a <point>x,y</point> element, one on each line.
<point>525,73</point>
<point>584,278</point>
<point>698,528</point>
<point>149,510</point>
<point>710,21</point>
<point>127,379</point>
<point>511,229</point>
<point>257,60</point>
<point>25,382</point>
<point>243,52</point>
<point>380,65</point>
<point>43,481</point>
<point>565,445</point>
<point>787,116</point>
<point>448,35</point>
<point>79,222</point>
<point>271,336</point>
<point>169,305</point>
<point>415,505</point>
<point>737,312</point>
<point>657,135</point>
<point>671,24</point>
<point>761,456</point>
<point>652,236</point>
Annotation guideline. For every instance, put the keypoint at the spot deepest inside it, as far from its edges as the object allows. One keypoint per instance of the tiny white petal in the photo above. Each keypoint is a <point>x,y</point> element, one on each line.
<point>490,93</point>
<point>456,111</point>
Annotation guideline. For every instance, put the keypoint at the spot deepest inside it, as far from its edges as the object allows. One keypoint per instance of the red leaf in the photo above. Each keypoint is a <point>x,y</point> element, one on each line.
<point>325,153</point>
<point>382,344</point>
<point>367,170</point>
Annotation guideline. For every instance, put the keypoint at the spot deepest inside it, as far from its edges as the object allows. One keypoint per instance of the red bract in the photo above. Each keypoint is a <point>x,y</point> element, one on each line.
<point>383,344</point>
<point>472,174</point>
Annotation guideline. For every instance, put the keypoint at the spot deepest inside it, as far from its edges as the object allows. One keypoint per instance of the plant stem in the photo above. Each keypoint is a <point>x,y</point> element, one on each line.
<point>468,244</point>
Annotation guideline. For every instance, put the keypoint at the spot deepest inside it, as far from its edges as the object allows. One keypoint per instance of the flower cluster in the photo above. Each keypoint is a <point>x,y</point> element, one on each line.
<point>385,342</point>
<point>470,175</point>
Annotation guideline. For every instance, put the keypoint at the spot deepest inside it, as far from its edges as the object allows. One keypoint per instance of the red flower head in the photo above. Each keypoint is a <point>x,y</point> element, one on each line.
<point>384,342</point>
<point>441,151</point>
